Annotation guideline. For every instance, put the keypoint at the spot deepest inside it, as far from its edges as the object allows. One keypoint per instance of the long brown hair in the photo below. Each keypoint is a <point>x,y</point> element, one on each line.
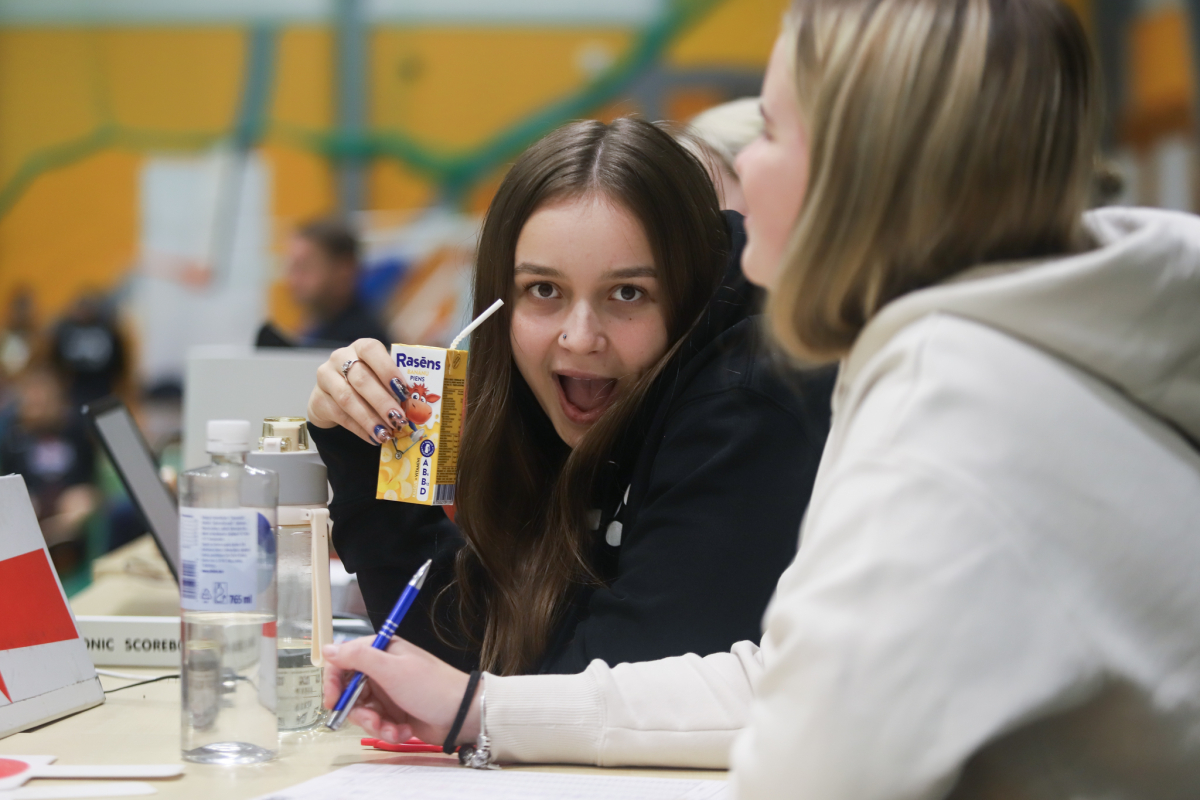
<point>942,134</point>
<point>523,495</point>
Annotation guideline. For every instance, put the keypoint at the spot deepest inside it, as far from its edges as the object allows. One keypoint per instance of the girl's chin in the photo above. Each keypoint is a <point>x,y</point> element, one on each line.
<point>570,434</point>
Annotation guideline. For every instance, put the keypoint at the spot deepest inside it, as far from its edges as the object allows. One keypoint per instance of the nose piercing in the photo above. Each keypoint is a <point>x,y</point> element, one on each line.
<point>564,336</point>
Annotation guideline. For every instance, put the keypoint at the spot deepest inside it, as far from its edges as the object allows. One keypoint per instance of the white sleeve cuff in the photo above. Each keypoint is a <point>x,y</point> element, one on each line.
<point>545,718</point>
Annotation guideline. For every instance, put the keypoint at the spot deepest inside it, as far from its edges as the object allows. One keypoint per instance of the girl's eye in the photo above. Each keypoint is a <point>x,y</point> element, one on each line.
<point>628,294</point>
<point>543,291</point>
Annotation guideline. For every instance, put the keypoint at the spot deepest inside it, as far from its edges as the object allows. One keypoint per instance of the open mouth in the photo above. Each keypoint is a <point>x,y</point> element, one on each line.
<point>584,399</point>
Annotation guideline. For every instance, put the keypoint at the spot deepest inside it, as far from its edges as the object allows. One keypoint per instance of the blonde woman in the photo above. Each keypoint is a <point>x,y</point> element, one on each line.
<point>997,594</point>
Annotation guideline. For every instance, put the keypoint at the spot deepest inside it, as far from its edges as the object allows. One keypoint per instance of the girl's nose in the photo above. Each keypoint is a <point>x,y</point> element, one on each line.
<point>582,332</point>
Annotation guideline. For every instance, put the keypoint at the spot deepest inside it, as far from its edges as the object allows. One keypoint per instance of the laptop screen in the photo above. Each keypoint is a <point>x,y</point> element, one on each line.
<point>125,445</point>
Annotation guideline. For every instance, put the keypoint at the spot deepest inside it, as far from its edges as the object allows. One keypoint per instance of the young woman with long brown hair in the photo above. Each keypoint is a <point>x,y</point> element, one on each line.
<point>627,446</point>
<point>996,595</point>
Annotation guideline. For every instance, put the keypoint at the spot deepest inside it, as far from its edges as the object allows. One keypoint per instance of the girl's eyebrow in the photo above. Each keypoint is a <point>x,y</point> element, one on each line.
<point>535,269</point>
<point>613,274</point>
<point>630,272</point>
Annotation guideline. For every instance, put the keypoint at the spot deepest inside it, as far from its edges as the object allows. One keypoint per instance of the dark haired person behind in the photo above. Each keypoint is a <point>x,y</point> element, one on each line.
<point>321,272</point>
<point>633,470</point>
<point>88,350</point>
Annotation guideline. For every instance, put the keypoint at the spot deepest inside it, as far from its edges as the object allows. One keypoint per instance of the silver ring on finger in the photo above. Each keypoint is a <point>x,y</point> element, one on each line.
<point>346,368</point>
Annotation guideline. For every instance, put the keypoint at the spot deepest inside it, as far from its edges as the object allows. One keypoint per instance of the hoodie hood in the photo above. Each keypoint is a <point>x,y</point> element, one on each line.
<point>1127,311</point>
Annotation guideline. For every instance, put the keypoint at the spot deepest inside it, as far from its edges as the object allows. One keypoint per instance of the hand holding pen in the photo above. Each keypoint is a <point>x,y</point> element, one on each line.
<point>357,683</point>
<point>410,692</point>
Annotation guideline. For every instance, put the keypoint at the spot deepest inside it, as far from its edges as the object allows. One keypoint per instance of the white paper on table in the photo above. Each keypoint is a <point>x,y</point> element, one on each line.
<point>381,782</point>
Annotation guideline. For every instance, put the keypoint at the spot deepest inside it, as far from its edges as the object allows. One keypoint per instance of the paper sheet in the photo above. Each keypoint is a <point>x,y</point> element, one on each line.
<point>390,782</point>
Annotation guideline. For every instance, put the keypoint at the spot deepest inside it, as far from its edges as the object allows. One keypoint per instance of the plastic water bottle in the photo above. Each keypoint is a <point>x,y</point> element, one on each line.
<point>228,594</point>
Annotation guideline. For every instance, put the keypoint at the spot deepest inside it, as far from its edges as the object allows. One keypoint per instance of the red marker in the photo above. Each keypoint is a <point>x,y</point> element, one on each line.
<point>413,745</point>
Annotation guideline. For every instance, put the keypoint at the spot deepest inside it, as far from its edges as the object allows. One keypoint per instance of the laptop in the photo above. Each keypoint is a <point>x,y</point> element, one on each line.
<point>118,434</point>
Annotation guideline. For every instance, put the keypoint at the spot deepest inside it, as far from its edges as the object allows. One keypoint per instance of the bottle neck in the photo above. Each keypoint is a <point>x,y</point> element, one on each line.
<point>229,458</point>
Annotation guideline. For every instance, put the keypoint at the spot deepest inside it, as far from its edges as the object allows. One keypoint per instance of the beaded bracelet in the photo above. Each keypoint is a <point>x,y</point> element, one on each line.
<point>479,755</point>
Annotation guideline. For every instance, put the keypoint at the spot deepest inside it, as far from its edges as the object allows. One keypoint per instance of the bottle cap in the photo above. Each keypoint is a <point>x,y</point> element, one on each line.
<point>290,431</point>
<point>228,436</point>
<point>284,449</point>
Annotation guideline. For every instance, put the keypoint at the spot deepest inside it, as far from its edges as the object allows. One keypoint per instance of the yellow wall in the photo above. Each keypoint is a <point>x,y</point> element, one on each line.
<point>173,80</point>
<point>737,33</point>
<point>1160,83</point>
<point>451,88</point>
<point>75,228</point>
<point>466,84</point>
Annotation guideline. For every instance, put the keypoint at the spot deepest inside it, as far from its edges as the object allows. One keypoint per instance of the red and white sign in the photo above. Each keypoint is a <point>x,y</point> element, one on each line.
<point>45,670</point>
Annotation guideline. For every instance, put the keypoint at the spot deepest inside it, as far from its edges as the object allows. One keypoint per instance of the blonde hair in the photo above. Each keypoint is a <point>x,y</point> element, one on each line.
<point>942,134</point>
<point>728,127</point>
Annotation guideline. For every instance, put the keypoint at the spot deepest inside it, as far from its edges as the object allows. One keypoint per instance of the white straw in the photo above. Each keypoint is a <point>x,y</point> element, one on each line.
<point>475,323</point>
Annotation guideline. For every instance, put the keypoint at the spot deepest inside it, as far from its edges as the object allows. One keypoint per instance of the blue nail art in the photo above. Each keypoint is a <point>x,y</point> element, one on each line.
<point>398,390</point>
<point>381,434</point>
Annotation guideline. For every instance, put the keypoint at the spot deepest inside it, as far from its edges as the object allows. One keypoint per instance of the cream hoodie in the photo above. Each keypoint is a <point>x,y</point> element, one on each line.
<point>999,589</point>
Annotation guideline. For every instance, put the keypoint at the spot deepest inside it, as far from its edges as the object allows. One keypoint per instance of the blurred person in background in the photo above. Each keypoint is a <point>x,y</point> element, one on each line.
<point>322,272</point>
<point>19,339</point>
<point>90,352</point>
<point>716,136</point>
<point>19,342</point>
<point>47,445</point>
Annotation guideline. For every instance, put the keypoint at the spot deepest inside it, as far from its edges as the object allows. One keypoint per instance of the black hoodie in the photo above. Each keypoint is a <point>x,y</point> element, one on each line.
<point>699,514</point>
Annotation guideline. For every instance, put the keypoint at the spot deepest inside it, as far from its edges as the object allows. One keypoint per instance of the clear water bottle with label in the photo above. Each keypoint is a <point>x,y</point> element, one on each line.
<point>228,596</point>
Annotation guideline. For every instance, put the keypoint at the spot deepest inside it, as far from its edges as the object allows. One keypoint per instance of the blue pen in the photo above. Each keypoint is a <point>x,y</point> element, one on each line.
<point>382,639</point>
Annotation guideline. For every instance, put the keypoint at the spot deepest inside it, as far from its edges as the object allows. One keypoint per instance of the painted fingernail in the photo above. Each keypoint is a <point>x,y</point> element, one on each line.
<point>396,418</point>
<point>381,434</point>
<point>398,390</point>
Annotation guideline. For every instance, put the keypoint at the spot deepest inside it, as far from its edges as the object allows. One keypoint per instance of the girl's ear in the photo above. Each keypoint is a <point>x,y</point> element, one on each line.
<point>433,398</point>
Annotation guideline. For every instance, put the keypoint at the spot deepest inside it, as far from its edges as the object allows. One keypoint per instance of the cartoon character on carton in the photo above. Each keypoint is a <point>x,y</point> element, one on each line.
<point>417,407</point>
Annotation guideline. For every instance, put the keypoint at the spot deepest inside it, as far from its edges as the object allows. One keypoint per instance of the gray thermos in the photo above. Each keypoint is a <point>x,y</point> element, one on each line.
<point>305,622</point>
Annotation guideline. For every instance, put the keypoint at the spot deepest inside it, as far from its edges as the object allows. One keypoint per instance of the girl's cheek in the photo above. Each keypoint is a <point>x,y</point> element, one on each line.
<point>530,334</point>
<point>641,342</point>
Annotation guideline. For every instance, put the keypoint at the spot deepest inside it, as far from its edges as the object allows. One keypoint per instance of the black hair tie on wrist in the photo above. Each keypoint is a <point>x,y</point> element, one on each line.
<point>449,746</point>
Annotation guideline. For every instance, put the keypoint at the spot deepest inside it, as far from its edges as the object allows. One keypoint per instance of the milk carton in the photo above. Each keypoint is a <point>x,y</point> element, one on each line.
<point>420,463</point>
